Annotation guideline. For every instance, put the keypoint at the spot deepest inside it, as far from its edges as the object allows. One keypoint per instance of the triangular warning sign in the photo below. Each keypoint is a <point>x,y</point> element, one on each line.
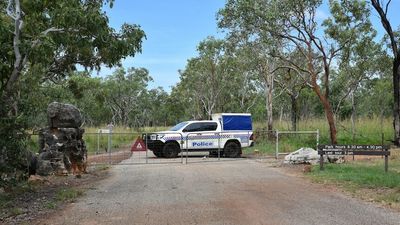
<point>138,145</point>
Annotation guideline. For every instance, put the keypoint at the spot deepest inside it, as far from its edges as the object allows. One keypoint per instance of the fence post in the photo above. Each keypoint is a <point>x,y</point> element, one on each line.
<point>219,143</point>
<point>146,148</point>
<point>181,144</point>
<point>277,144</point>
<point>187,147</point>
<point>386,160</point>
<point>98,143</point>
<point>109,148</point>
<point>321,158</point>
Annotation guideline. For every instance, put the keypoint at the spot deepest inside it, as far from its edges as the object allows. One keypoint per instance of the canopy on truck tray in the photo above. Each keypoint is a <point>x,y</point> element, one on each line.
<point>234,121</point>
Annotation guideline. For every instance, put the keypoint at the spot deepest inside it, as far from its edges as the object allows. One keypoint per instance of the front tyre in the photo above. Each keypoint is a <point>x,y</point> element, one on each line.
<point>171,150</point>
<point>232,150</point>
<point>158,153</point>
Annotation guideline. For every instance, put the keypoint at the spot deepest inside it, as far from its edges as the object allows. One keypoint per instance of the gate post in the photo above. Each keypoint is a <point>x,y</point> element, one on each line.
<point>277,144</point>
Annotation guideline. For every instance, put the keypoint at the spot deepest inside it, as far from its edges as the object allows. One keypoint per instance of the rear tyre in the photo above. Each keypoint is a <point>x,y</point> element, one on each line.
<point>232,150</point>
<point>171,150</point>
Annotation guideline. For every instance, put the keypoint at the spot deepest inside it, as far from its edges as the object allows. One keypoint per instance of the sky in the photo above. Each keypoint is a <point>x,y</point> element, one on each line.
<point>174,28</point>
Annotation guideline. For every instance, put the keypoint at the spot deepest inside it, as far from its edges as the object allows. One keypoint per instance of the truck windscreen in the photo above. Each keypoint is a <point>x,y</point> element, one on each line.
<point>178,126</point>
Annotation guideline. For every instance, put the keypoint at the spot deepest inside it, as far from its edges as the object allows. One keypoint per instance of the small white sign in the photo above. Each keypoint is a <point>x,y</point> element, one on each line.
<point>103,131</point>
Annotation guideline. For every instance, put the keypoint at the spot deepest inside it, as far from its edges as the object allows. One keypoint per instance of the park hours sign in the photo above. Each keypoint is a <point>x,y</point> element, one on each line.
<point>342,150</point>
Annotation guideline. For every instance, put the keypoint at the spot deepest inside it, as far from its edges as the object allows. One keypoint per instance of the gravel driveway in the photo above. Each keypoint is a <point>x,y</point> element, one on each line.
<point>229,192</point>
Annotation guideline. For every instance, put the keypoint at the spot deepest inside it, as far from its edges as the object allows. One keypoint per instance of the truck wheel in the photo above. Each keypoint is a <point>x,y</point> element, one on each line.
<point>171,150</point>
<point>157,153</point>
<point>232,150</point>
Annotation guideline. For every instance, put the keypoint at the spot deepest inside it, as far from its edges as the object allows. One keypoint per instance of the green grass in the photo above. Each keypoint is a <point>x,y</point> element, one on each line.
<point>367,131</point>
<point>68,195</point>
<point>366,179</point>
<point>362,174</point>
<point>51,205</point>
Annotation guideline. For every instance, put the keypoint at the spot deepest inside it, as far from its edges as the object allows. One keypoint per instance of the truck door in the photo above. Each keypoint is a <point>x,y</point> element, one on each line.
<point>201,135</point>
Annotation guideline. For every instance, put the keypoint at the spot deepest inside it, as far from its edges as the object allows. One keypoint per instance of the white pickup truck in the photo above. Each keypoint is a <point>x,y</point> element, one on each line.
<point>227,133</point>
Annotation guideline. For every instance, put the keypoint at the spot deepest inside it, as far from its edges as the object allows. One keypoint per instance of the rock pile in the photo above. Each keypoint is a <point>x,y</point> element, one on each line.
<point>303,156</point>
<point>62,149</point>
<point>310,156</point>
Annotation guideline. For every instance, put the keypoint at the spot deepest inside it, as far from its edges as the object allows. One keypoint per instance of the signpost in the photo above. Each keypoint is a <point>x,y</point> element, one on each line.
<point>342,150</point>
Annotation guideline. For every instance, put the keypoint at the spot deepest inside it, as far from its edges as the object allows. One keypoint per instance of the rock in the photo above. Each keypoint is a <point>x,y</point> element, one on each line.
<point>336,159</point>
<point>36,179</point>
<point>49,155</point>
<point>44,168</point>
<point>62,148</point>
<point>303,156</point>
<point>50,162</point>
<point>32,160</point>
<point>63,115</point>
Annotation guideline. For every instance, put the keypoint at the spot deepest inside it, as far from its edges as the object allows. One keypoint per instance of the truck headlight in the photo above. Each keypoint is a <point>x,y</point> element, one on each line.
<point>154,137</point>
<point>160,137</point>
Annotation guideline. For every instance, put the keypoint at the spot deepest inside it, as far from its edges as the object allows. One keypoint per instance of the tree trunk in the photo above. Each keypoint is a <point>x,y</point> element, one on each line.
<point>328,113</point>
<point>269,94</point>
<point>396,105</point>
<point>293,99</point>
<point>353,116</point>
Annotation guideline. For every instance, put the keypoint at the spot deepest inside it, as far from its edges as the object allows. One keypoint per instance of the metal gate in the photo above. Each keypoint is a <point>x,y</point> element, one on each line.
<point>107,147</point>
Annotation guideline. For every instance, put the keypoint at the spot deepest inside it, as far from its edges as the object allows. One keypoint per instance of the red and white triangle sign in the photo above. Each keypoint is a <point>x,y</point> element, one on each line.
<point>138,146</point>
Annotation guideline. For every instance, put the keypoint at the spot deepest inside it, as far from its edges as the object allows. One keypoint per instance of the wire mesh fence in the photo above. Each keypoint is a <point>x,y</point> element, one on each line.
<point>275,143</point>
<point>106,147</point>
<point>121,148</point>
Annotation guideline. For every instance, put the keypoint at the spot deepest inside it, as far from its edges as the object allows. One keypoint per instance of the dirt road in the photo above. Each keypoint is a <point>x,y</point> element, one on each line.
<point>229,192</point>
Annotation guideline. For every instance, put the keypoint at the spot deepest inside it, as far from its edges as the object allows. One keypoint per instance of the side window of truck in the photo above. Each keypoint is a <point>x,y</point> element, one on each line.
<point>192,127</point>
<point>203,126</point>
<point>209,126</point>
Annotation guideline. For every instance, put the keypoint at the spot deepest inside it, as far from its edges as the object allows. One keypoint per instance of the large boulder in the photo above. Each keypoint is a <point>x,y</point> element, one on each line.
<point>61,147</point>
<point>51,162</point>
<point>303,156</point>
<point>63,115</point>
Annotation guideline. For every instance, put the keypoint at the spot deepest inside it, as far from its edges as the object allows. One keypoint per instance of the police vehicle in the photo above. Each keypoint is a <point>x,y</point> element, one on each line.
<point>226,134</point>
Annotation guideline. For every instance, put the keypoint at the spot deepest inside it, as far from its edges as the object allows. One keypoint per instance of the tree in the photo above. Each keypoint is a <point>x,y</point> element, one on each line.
<point>205,76</point>
<point>123,92</point>
<point>295,23</point>
<point>382,8</point>
<point>88,96</point>
<point>69,33</point>
<point>255,54</point>
<point>45,41</point>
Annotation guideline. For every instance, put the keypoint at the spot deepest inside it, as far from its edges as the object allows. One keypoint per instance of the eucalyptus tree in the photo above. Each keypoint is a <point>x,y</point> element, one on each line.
<point>290,81</point>
<point>123,92</point>
<point>48,40</point>
<point>382,7</point>
<point>244,87</point>
<point>296,23</point>
<point>58,35</point>
<point>88,97</point>
<point>254,52</point>
<point>206,75</point>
